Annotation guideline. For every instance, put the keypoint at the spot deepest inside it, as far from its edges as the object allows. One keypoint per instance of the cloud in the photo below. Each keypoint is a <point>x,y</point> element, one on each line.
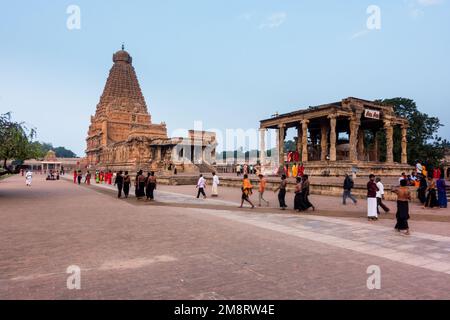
<point>274,20</point>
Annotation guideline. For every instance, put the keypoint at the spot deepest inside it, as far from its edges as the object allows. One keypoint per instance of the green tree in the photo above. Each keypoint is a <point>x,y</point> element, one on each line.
<point>424,143</point>
<point>61,152</point>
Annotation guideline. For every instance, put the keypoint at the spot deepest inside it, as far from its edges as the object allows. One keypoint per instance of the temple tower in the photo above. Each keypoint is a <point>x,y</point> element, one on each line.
<point>121,112</point>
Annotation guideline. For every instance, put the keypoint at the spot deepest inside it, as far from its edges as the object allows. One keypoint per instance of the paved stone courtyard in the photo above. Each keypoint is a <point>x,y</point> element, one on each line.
<point>183,248</point>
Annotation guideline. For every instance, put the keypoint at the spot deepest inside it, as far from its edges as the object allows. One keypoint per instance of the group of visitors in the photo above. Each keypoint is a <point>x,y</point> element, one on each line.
<point>431,186</point>
<point>201,186</point>
<point>302,190</point>
<point>53,175</point>
<point>246,169</point>
<point>375,195</point>
<point>145,186</point>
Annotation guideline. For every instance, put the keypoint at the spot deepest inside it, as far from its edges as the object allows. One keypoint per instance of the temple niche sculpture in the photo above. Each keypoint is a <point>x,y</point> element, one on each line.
<point>122,136</point>
<point>341,137</point>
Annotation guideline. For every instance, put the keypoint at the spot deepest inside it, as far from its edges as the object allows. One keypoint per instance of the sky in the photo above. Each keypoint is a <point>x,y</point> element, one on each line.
<point>227,63</point>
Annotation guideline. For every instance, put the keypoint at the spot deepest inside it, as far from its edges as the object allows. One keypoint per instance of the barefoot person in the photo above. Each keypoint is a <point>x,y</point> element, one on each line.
<point>246,191</point>
<point>348,186</point>
<point>215,185</point>
<point>305,192</point>
<point>298,199</point>
<point>28,178</point>
<point>140,185</point>
<point>151,186</point>
<point>262,188</point>
<point>282,192</point>
<point>201,184</point>
<point>403,198</point>
<point>380,196</point>
<point>126,184</point>
<point>372,199</point>
<point>431,201</point>
<point>118,181</point>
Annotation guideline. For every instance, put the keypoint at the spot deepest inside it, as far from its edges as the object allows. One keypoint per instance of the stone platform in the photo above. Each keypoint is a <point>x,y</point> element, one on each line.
<point>340,168</point>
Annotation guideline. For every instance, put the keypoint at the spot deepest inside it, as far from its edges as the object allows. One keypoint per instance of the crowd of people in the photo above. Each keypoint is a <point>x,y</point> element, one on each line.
<point>430,185</point>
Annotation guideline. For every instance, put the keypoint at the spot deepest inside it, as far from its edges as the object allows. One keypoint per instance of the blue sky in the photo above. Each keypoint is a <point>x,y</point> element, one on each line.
<point>228,63</point>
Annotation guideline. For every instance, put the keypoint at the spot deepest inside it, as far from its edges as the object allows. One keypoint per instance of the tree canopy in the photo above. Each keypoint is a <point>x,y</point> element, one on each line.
<point>424,142</point>
<point>16,140</point>
<point>61,152</point>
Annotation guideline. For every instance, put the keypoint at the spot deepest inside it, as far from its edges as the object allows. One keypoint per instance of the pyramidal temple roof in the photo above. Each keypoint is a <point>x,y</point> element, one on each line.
<point>122,87</point>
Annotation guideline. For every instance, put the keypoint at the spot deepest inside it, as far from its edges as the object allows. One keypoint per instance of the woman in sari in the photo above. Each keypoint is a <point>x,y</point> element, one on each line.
<point>126,184</point>
<point>282,192</point>
<point>150,185</point>
<point>403,198</point>
<point>246,191</point>
<point>298,199</point>
<point>432,194</point>
<point>442,193</point>
<point>215,185</point>
<point>305,192</point>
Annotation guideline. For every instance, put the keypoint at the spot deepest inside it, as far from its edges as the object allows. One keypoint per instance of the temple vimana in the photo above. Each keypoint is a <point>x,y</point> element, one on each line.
<point>122,136</point>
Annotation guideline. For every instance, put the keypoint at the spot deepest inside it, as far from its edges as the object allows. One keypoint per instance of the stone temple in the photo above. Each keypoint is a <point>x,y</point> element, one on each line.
<point>351,135</point>
<point>122,136</point>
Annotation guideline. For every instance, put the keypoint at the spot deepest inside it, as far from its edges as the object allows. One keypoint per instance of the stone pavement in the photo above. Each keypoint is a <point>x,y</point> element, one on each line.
<point>131,249</point>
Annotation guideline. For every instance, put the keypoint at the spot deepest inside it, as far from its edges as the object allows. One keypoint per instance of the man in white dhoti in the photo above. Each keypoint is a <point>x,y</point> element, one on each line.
<point>29,178</point>
<point>215,185</point>
<point>372,199</point>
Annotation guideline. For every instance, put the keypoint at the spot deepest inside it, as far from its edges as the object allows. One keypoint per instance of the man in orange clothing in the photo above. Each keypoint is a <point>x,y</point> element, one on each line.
<point>246,191</point>
<point>262,188</point>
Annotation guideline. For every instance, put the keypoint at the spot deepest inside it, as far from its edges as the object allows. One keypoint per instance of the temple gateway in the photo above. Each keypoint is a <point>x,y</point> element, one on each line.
<point>122,136</point>
<point>339,138</point>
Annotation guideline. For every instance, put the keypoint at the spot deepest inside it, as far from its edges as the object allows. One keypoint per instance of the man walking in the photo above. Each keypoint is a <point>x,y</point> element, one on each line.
<point>348,186</point>
<point>372,199</point>
<point>380,197</point>
<point>119,183</point>
<point>282,192</point>
<point>262,188</point>
<point>201,187</point>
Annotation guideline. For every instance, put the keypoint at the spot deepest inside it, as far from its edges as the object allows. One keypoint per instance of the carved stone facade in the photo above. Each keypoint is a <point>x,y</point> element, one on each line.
<point>338,137</point>
<point>122,136</point>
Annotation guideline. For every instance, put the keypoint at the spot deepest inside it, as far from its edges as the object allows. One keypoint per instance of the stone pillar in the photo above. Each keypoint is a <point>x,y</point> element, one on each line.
<point>389,141</point>
<point>275,156</point>
<point>262,146</point>
<point>305,140</point>
<point>332,137</point>
<point>355,122</point>
<point>158,153</point>
<point>376,146</point>
<point>404,144</point>
<point>361,147</point>
<point>299,138</point>
<point>281,136</point>
<point>324,142</point>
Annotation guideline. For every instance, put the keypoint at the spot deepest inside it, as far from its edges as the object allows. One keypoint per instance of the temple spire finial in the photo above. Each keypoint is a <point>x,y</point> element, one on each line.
<point>123,46</point>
